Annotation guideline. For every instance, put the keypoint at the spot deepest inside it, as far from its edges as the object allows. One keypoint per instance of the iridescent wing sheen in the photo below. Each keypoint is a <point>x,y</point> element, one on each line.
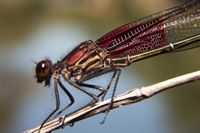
<point>152,32</point>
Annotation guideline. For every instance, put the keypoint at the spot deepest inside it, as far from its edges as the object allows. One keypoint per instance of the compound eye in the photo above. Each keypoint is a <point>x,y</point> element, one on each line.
<point>43,70</point>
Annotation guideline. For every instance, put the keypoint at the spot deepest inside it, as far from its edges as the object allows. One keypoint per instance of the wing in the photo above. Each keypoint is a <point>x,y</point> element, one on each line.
<point>146,34</point>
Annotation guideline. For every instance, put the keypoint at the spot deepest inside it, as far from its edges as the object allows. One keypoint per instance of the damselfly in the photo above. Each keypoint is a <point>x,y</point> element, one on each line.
<point>172,30</point>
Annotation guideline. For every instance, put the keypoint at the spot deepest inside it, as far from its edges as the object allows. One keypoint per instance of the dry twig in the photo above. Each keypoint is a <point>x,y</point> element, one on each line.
<point>132,96</point>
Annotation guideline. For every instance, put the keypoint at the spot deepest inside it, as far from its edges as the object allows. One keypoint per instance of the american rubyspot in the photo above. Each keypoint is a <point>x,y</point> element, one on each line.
<point>172,30</point>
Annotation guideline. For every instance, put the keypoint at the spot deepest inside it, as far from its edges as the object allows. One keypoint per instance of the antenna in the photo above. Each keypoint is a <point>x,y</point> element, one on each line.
<point>34,62</point>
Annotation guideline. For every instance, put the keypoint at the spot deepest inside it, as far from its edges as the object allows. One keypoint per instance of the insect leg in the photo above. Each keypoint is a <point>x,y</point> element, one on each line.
<point>108,87</point>
<point>78,86</point>
<point>117,74</point>
<point>101,89</point>
<point>57,104</point>
<point>71,98</point>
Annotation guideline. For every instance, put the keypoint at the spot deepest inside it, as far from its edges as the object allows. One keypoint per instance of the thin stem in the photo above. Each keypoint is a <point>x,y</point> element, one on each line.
<point>132,96</point>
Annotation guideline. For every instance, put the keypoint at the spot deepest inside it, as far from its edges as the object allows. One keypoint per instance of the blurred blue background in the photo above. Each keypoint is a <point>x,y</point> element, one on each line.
<point>34,30</point>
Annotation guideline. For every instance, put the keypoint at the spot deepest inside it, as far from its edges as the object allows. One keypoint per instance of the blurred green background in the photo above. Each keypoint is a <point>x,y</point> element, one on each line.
<point>31,30</point>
